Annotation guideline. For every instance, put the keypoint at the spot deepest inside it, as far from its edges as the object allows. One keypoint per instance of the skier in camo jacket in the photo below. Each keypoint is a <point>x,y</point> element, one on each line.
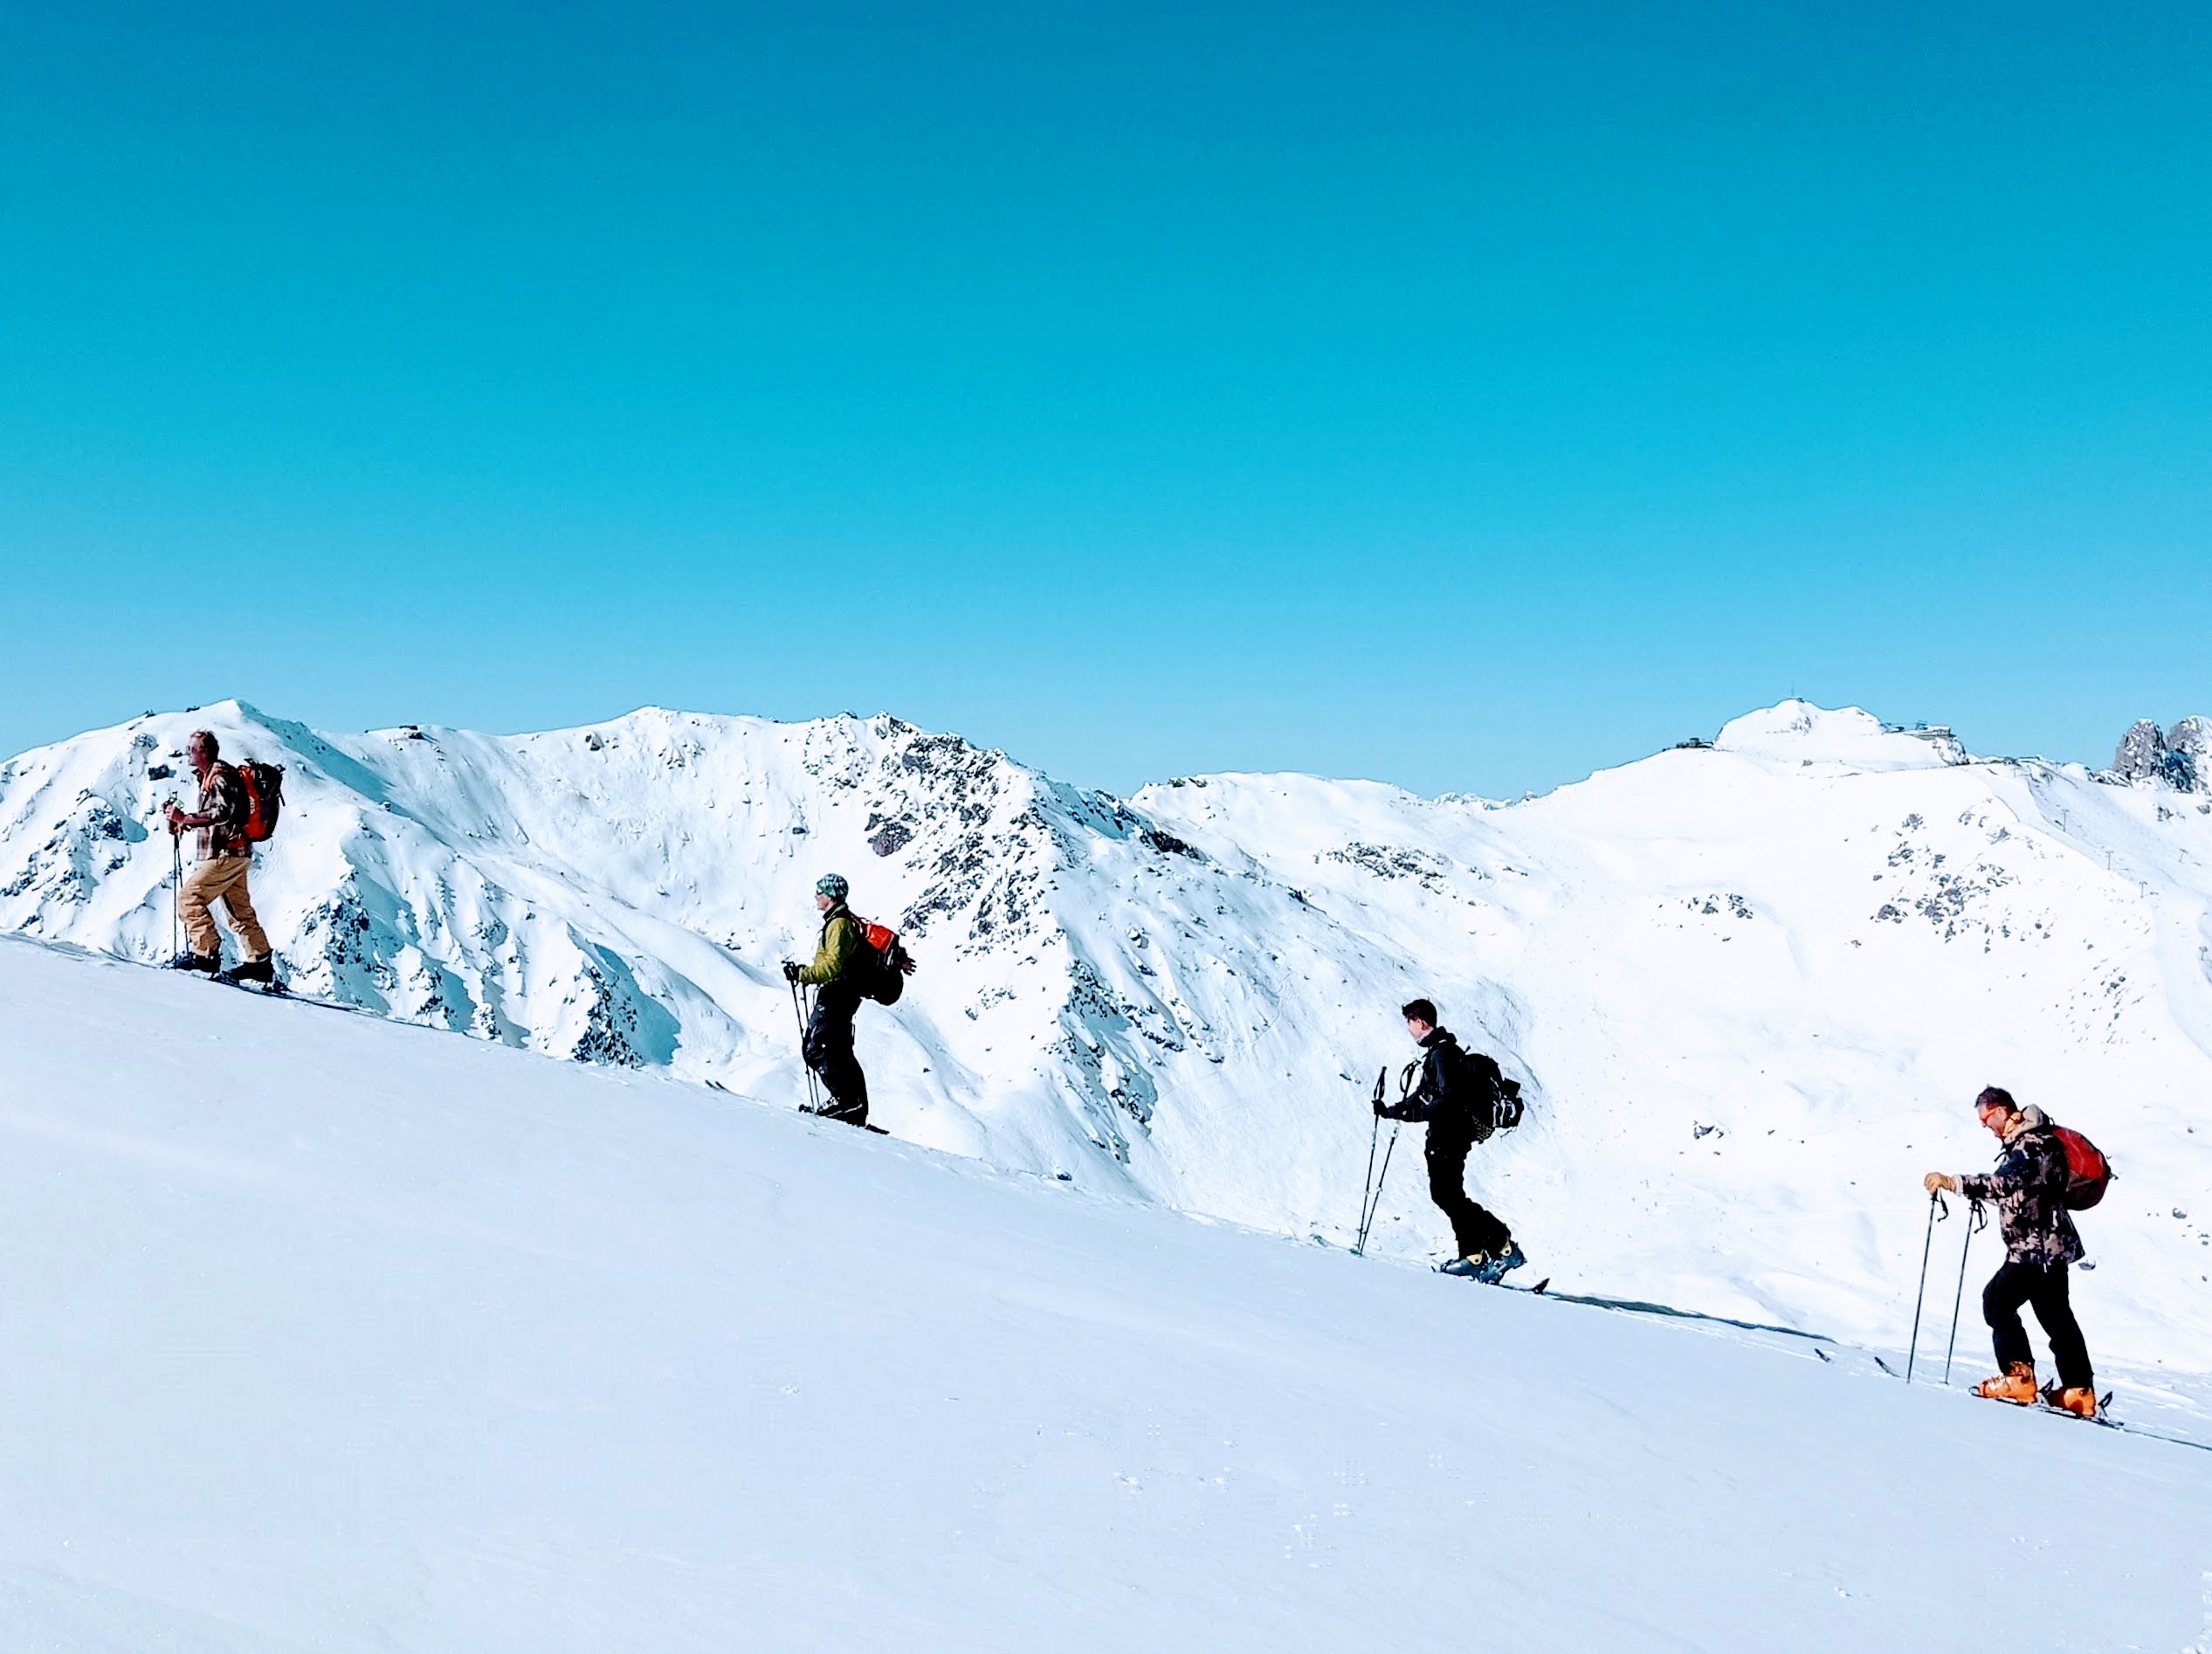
<point>2030,1189</point>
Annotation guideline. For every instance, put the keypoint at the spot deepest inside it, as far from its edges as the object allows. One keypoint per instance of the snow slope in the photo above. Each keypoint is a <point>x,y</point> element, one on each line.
<point>1750,986</point>
<point>329,1334</point>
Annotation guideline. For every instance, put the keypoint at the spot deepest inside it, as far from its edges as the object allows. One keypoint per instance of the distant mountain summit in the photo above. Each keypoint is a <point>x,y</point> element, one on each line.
<point>1748,985</point>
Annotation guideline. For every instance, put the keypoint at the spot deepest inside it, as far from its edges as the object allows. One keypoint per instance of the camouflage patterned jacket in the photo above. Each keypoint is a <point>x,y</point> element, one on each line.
<point>2029,1188</point>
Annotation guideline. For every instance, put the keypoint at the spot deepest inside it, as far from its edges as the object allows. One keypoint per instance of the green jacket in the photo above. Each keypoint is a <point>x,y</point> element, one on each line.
<point>842,942</point>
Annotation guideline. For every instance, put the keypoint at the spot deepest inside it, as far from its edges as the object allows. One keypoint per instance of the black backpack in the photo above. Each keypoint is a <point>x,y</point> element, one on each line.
<point>1498,1106</point>
<point>883,974</point>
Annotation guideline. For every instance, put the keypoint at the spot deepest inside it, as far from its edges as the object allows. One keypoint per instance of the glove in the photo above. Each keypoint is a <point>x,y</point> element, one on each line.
<point>1378,1108</point>
<point>790,970</point>
<point>1934,1181</point>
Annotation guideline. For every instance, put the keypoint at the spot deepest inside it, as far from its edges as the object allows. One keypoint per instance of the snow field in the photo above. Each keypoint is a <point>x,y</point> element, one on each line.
<point>327,1332</point>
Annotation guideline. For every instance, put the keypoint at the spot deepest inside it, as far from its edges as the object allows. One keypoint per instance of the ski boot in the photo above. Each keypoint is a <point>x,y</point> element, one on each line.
<point>1470,1267</point>
<point>2017,1385</point>
<point>254,970</point>
<point>1492,1273</point>
<point>210,963</point>
<point>2081,1403</point>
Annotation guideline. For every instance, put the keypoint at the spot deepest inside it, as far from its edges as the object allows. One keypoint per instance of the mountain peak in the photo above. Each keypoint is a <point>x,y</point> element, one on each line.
<point>1798,733</point>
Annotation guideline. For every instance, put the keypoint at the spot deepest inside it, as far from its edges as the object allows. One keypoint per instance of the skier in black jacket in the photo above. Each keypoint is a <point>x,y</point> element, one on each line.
<point>1454,1096</point>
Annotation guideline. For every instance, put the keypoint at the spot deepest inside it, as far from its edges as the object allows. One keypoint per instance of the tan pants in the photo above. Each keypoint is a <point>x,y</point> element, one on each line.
<point>221,878</point>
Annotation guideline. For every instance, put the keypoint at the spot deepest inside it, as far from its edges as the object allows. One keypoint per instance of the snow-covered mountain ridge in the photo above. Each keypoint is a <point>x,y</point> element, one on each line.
<point>1749,986</point>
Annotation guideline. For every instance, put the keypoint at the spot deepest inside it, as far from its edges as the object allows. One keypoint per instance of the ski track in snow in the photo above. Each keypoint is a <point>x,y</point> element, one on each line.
<point>331,1333</point>
<point>1749,988</point>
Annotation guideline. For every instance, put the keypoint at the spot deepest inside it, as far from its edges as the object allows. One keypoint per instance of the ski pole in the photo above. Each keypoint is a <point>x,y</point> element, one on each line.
<point>813,1084</point>
<point>798,1013</point>
<point>1405,1091</point>
<point>1978,1220</point>
<point>1381,1177</point>
<point>1366,1183</point>
<point>176,893</point>
<point>1935,1202</point>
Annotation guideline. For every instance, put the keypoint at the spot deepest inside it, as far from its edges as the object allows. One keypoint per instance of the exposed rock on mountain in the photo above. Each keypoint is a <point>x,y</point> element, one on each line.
<point>2180,758</point>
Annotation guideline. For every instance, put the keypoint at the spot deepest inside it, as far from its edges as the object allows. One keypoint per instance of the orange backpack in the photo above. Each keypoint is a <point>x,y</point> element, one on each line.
<point>264,785</point>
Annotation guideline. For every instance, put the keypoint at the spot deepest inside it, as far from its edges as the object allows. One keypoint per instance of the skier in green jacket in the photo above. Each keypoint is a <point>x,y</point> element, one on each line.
<point>834,976</point>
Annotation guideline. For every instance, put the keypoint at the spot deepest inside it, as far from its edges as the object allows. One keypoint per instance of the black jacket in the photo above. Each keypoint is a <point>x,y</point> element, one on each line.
<point>1454,1096</point>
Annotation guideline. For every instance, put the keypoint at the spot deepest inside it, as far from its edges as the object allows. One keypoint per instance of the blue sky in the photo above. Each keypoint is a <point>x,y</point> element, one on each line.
<point>1447,394</point>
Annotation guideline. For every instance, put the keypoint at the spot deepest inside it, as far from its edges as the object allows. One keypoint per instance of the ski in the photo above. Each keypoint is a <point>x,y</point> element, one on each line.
<point>277,990</point>
<point>2103,1416</point>
<point>1636,1306</point>
<point>2104,1420</point>
<point>838,1120</point>
<point>2153,1436</point>
<point>1541,1286</point>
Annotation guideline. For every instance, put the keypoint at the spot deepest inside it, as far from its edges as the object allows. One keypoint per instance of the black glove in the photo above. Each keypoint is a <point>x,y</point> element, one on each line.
<point>1378,1108</point>
<point>790,970</point>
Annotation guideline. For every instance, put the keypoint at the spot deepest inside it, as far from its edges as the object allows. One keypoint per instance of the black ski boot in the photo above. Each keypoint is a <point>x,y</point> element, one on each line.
<point>1492,1273</point>
<point>211,963</point>
<point>254,970</point>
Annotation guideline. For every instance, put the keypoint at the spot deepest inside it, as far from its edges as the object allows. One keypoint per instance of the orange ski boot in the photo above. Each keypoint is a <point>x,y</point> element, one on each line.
<point>2017,1386</point>
<point>2081,1403</point>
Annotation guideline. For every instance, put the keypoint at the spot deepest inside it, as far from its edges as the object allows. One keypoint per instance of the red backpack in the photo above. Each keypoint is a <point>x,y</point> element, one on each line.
<point>264,787</point>
<point>2088,1173</point>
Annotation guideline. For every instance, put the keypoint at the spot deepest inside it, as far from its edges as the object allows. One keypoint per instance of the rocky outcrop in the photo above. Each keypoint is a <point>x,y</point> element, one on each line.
<point>2180,758</point>
<point>2188,744</point>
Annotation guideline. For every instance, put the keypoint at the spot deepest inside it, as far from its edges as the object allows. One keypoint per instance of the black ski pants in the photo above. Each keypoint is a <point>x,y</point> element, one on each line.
<point>828,1049</point>
<point>1473,1227</point>
<point>2043,1286</point>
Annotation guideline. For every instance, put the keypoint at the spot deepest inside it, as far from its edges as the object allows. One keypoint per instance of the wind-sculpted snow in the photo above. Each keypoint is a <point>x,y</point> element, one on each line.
<point>1749,986</point>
